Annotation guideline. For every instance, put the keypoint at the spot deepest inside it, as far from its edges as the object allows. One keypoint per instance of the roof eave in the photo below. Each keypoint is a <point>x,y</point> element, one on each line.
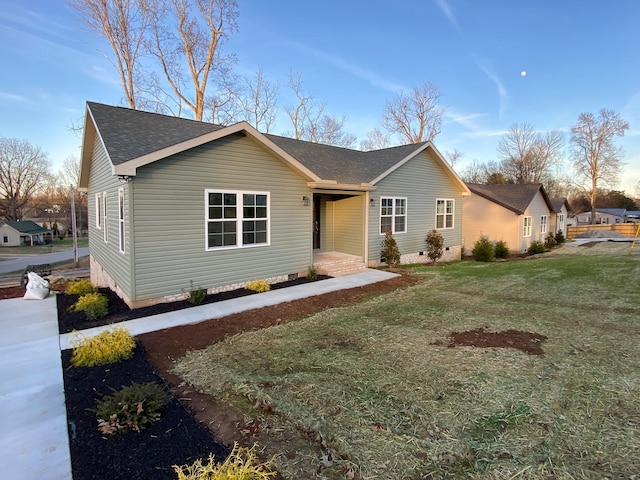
<point>333,185</point>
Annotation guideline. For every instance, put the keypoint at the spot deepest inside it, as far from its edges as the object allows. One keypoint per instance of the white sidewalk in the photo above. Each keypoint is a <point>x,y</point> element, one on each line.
<point>33,425</point>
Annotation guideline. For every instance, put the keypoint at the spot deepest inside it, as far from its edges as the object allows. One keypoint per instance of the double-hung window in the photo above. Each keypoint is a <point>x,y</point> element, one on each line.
<point>393,215</point>
<point>526,232</point>
<point>236,219</point>
<point>444,213</point>
<point>105,217</point>
<point>543,224</point>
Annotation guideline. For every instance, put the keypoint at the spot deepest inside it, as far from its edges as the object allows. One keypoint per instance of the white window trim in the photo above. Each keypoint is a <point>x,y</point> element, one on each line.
<point>121,235</point>
<point>444,215</point>
<point>393,215</point>
<point>526,228</point>
<point>105,217</point>
<point>544,224</point>
<point>239,219</point>
<point>99,211</point>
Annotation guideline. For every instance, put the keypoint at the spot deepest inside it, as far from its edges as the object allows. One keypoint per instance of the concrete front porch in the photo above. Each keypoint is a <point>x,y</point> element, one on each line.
<point>336,264</point>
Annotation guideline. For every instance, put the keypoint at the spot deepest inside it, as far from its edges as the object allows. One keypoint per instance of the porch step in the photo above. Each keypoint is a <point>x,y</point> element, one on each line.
<point>337,264</point>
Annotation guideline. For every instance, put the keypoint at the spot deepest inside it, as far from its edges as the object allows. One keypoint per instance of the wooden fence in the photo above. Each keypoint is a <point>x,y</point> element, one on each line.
<point>626,229</point>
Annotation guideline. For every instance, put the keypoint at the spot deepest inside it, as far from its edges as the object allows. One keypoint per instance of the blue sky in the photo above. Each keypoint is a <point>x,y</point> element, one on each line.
<point>354,55</point>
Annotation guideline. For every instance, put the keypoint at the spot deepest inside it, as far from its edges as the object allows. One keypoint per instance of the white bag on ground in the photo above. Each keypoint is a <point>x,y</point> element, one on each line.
<point>37,287</point>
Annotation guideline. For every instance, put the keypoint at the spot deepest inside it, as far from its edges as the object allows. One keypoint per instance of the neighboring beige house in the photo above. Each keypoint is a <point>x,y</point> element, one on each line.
<point>176,203</point>
<point>15,234</point>
<point>560,215</point>
<point>516,214</point>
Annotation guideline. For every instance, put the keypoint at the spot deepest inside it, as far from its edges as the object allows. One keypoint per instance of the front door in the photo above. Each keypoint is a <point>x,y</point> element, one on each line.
<point>316,221</point>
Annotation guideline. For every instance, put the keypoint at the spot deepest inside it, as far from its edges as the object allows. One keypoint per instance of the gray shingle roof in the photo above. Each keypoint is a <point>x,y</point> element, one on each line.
<point>343,164</point>
<point>25,226</point>
<point>515,197</point>
<point>558,203</point>
<point>128,134</point>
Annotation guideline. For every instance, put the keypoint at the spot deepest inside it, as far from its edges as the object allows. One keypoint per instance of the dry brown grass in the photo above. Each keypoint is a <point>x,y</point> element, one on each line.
<point>372,386</point>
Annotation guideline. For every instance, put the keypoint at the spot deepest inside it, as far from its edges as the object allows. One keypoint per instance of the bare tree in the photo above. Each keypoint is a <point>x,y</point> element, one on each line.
<point>453,157</point>
<point>417,116</point>
<point>124,24</point>
<point>475,172</point>
<point>527,155</point>
<point>376,140</point>
<point>596,158</point>
<point>309,121</point>
<point>23,169</point>
<point>187,42</point>
<point>260,102</point>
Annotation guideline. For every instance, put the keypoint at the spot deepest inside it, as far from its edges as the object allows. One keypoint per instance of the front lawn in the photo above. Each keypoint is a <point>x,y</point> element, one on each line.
<point>383,388</point>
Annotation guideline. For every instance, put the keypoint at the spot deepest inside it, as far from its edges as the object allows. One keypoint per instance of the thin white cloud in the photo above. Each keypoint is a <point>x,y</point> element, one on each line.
<point>368,76</point>
<point>12,97</point>
<point>503,95</point>
<point>446,9</point>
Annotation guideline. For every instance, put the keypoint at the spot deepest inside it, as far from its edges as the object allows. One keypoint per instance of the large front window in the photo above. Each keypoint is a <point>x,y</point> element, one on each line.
<point>393,215</point>
<point>444,213</point>
<point>236,219</point>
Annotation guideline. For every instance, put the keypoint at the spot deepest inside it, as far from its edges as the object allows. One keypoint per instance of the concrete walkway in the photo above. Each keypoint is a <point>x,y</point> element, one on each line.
<point>33,425</point>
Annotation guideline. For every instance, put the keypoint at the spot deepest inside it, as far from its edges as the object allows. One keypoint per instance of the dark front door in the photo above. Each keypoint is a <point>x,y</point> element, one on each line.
<point>316,221</point>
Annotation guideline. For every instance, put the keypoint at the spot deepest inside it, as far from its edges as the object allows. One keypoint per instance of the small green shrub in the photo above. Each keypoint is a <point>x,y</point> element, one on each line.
<point>110,346</point>
<point>435,245</point>
<point>501,249</point>
<point>242,463</point>
<point>196,295</point>
<point>390,253</point>
<point>550,241</point>
<point>312,273</point>
<point>560,237</point>
<point>536,247</point>
<point>130,408</point>
<point>258,286</point>
<point>94,305</point>
<point>483,250</point>
<point>81,287</point>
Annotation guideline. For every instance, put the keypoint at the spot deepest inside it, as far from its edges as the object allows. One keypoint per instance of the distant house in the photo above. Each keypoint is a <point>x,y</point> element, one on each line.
<point>560,215</point>
<point>15,234</point>
<point>608,216</point>
<point>175,203</point>
<point>516,214</point>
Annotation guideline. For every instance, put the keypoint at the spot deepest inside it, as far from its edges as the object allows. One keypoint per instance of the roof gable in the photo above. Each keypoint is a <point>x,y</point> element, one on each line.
<point>515,197</point>
<point>133,138</point>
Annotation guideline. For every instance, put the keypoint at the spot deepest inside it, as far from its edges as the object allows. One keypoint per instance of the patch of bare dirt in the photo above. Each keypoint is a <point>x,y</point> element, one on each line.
<point>527,342</point>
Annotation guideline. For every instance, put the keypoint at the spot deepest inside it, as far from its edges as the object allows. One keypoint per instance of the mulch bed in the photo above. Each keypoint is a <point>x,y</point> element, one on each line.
<point>176,439</point>
<point>119,311</point>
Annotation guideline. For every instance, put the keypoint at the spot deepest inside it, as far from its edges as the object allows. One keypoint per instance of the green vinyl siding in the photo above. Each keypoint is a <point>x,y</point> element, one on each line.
<point>349,222</point>
<point>108,254</point>
<point>170,226</point>
<point>421,181</point>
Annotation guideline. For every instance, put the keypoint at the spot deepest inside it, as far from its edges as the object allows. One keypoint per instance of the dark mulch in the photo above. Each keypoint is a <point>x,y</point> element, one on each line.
<point>120,311</point>
<point>176,439</point>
